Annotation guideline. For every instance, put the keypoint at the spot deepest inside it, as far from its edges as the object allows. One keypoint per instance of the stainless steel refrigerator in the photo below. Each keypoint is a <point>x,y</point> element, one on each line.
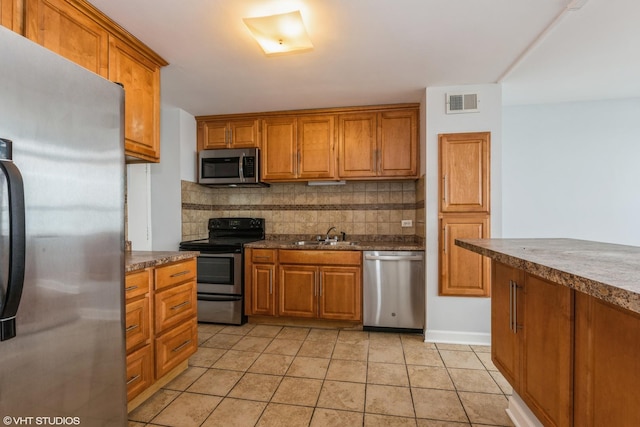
<point>62,357</point>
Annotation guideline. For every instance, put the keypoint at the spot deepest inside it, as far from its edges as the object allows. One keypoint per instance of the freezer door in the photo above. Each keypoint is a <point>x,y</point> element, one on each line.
<point>67,357</point>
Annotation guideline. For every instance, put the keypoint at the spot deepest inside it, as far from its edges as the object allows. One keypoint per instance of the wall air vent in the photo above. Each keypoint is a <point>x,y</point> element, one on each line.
<point>462,103</point>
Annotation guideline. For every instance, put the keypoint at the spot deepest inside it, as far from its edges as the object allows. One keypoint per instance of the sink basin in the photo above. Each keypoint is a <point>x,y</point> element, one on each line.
<point>340,243</point>
<point>308,243</point>
<point>322,243</point>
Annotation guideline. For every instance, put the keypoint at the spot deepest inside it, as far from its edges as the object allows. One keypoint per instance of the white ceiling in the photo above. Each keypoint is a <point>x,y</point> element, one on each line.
<point>386,51</point>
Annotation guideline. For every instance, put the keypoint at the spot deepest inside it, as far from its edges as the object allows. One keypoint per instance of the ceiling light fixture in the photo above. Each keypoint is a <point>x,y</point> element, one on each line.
<point>280,34</point>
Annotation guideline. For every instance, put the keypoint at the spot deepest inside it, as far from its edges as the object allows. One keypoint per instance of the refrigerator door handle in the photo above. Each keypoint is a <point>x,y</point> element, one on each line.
<point>11,300</point>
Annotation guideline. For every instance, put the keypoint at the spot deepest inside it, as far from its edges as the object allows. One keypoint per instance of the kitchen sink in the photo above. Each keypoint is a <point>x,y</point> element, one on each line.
<point>323,243</point>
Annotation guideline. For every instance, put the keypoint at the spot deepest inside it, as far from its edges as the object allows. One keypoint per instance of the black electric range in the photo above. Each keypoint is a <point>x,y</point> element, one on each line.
<point>220,267</point>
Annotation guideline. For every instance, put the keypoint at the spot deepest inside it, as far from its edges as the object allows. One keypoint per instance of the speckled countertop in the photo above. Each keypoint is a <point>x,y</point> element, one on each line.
<point>138,260</point>
<point>361,246</point>
<point>606,271</point>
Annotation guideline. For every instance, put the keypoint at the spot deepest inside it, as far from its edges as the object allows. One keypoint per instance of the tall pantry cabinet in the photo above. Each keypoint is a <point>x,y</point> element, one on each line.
<point>464,173</point>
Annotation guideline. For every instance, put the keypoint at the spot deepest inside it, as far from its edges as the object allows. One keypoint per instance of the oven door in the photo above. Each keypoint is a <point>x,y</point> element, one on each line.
<point>220,273</point>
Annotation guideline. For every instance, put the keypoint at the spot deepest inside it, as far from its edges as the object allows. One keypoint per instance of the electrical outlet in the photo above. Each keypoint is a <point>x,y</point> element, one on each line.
<point>407,223</point>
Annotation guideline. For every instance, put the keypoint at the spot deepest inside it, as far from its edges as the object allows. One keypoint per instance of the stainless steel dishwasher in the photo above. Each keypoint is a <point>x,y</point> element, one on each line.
<point>394,290</point>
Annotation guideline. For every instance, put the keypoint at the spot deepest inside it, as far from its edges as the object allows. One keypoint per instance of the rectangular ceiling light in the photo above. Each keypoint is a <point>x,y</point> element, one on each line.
<point>280,34</point>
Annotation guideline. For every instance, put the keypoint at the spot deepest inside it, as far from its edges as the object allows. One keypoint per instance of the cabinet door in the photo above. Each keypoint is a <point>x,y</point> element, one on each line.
<point>398,144</point>
<point>137,322</point>
<point>279,149</point>
<point>547,350</point>
<point>315,144</point>
<point>297,292</point>
<point>215,135</point>
<point>464,172</point>
<point>64,29</point>
<point>139,371</point>
<point>340,291</point>
<point>462,272</point>
<point>607,366</point>
<point>262,296</point>
<point>504,335</point>
<point>141,80</point>
<point>174,305</point>
<point>11,15</point>
<point>357,145</point>
<point>243,134</point>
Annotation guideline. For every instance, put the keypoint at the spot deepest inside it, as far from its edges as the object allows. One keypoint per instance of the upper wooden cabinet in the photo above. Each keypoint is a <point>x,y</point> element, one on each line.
<point>353,143</point>
<point>298,148</point>
<point>464,172</point>
<point>141,80</point>
<point>61,27</point>
<point>11,14</point>
<point>81,33</point>
<point>228,134</point>
<point>381,144</point>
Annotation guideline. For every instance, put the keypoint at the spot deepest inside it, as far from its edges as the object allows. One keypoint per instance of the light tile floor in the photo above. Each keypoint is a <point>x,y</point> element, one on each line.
<point>263,375</point>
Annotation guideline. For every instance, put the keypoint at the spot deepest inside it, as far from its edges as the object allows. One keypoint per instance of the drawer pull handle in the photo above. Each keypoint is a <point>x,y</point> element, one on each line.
<point>131,288</point>
<point>181,273</point>
<point>132,379</point>
<point>181,346</point>
<point>262,257</point>
<point>131,328</point>
<point>182,304</point>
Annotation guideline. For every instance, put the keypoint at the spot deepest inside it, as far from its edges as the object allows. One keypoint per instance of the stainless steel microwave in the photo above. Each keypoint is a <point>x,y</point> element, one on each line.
<point>230,167</point>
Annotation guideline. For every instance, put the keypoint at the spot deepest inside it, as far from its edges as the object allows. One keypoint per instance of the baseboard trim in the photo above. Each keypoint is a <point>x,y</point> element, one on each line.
<point>457,337</point>
<point>520,413</point>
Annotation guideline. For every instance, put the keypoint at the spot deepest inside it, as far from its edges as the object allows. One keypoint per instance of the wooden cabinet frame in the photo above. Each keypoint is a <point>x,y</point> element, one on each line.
<point>464,212</point>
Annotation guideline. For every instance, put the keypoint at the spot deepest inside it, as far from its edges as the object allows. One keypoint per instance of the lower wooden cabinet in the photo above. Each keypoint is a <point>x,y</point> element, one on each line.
<point>175,346</point>
<point>161,324</point>
<point>139,371</point>
<point>462,272</point>
<point>607,364</point>
<point>532,341</point>
<point>308,284</point>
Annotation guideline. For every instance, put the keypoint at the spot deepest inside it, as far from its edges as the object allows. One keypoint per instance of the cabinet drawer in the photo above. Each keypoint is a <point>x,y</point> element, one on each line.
<point>175,305</point>
<point>137,283</point>
<point>320,257</point>
<point>266,256</point>
<point>172,274</point>
<point>139,371</point>
<point>176,346</point>
<point>137,322</point>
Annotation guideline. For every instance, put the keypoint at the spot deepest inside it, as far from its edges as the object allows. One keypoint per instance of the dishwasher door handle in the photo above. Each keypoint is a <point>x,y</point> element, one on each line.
<point>392,258</point>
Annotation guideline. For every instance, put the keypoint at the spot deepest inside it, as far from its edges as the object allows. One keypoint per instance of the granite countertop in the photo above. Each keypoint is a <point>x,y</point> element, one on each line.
<point>606,271</point>
<point>138,260</point>
<point>361,246</point>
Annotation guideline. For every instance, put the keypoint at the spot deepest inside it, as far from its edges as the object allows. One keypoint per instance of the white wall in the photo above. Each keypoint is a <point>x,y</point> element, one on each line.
<point>178,129</point>
<point>139,207</point>
<point>457,319</point>
<point>572,170</point>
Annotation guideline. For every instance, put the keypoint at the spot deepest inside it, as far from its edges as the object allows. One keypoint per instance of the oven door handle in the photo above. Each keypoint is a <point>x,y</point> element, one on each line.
<point>222,255</point>
<point>219,298</point>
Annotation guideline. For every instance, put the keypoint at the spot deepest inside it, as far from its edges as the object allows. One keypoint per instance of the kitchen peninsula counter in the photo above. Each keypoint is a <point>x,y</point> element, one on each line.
<point>605,271</point>
<point>360,246</point>
<point>565,328</point>
<point>138,260</point>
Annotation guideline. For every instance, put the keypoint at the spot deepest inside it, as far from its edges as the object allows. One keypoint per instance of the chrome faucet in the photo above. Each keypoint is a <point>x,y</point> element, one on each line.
<point>327,238</point>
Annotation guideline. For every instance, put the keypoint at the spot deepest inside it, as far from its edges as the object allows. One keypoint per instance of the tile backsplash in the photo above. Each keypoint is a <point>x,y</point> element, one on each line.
<point>371,210</point>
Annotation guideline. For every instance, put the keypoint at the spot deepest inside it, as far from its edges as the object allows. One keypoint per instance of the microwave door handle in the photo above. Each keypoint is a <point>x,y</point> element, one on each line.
<point>240,167</point>
<point>11,301</point>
